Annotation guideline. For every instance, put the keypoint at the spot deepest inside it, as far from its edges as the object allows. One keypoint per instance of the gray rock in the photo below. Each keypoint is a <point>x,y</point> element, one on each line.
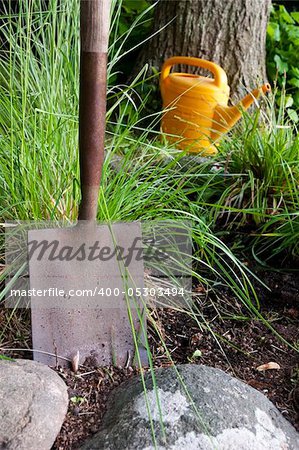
<point>209,410</point>
<point>33,404</point>
<point>185,163</point>
<point>192,160</point>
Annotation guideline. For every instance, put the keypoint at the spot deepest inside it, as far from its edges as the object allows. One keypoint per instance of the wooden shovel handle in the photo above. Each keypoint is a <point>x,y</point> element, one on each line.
<point>94,34</point>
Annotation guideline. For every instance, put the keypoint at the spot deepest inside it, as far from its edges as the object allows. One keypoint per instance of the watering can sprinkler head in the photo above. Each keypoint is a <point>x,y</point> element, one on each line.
<point>196,111</point>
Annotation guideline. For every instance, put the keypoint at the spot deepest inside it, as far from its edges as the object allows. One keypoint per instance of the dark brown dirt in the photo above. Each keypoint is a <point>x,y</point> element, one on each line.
<point>223,334</point>
<point>239,348</point>
<point>88,392</point>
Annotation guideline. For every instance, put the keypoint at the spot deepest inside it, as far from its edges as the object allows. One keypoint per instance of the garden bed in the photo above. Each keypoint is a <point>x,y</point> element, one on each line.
<point>239,346</point>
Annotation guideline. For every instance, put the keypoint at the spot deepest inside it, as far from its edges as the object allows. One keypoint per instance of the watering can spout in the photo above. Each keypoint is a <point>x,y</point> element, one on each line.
<point>226,116</point>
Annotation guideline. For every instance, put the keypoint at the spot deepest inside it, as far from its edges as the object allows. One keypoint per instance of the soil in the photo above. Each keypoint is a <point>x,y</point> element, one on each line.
<point>223,336</point>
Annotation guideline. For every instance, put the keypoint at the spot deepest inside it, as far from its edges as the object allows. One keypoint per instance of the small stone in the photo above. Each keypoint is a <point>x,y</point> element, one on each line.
<point>76,411</point>
<point>34,403</point>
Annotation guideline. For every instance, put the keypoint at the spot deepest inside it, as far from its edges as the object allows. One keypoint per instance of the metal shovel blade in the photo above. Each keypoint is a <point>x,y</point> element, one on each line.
<point>78,282</point>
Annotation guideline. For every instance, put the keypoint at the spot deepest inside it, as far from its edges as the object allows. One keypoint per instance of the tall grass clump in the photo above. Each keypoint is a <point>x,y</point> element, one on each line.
<point>38,115</point>
<point>255,188</point>
<point>39,78</point>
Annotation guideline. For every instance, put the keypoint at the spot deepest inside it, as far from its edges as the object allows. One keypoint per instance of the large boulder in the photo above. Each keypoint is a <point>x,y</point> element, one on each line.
<point>33,405</point>
<point>202,409</point>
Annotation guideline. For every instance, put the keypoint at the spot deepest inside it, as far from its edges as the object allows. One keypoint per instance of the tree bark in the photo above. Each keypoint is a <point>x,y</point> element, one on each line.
<point>231,33</point>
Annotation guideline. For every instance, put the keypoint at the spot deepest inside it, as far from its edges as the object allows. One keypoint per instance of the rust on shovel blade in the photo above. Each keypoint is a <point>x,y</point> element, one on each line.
<point>79,301</point>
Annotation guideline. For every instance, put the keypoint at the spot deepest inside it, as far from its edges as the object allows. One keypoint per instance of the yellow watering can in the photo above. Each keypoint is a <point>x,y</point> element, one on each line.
<point>196,113</point>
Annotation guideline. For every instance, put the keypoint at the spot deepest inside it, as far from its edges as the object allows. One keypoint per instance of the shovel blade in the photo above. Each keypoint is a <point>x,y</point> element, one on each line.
<point>83,282</point>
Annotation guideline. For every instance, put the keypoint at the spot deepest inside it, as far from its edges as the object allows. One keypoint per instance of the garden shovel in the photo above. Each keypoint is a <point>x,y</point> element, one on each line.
<point>81,287</point>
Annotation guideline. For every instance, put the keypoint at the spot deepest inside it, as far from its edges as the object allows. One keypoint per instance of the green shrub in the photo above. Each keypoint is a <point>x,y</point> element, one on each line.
<point>133,19</point>
<point>282,56</point>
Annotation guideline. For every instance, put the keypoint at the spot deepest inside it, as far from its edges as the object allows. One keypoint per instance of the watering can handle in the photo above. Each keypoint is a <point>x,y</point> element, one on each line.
<point>220,77</point>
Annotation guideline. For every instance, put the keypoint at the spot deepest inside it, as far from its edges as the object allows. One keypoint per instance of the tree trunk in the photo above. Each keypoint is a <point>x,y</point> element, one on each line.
<point>231,33</point>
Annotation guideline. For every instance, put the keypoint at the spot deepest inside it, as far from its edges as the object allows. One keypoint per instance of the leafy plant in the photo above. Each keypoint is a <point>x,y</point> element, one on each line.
<point>282,56</point>
<point>78,400</point>
<point>130,9</point>
<point>134,18</point>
